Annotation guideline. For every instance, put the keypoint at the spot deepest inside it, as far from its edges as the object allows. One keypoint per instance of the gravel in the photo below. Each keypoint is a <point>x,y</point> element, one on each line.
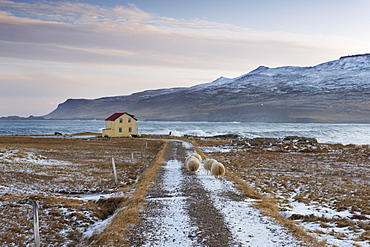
<point>200,210</point>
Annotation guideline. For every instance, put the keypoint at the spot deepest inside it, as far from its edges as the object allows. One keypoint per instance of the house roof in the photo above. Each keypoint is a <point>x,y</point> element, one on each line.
<point>117,115</point>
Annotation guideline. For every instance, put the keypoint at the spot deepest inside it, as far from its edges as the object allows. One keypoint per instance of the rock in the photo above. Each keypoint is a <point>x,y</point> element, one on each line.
<point>263,142</point>
<point>300,139</point>
<point>228,136</point>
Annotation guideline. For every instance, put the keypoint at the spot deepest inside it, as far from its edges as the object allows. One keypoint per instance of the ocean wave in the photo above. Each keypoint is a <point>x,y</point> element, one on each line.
<point>325,133</point>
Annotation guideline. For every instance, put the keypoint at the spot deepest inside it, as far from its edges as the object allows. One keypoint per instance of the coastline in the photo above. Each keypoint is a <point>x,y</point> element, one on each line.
<point>324,133</point>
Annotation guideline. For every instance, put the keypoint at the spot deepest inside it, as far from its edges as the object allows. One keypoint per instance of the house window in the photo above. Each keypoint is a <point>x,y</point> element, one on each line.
<point>129,129</point>
<point>121,120</point>
<point>129,120</point>
<point>119,129</point>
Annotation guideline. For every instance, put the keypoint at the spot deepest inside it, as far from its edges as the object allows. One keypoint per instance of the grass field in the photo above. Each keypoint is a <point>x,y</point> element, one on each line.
<point>72,181</point>
<point>322,187</point>
<point>319,188</point>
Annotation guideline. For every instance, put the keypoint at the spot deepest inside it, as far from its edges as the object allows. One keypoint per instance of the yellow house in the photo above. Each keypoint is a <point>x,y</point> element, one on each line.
<point>120,125</point>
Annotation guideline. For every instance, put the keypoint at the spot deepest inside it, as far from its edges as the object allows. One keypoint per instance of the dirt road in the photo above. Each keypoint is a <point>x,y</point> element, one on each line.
<point>200,210</point>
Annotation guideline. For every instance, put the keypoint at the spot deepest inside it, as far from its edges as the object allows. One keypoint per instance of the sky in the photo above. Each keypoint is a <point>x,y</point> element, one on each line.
<point>51,51</point>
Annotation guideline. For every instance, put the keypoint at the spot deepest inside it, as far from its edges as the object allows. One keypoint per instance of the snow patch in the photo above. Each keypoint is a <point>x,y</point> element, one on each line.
<point>173,224</point>
<point>246,223</point>
<point>219,149</point>
<point>98,227</point>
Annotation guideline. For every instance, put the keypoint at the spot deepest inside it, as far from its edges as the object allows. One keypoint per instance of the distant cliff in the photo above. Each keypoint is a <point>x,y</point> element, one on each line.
<point>22,118</point>
<point>335,92</point>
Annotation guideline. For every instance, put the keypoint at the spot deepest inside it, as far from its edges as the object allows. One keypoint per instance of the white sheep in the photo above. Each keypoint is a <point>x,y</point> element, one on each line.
<point>194,155</point>
<point>187,158</point>
<point>208,164</point>
<point>217,169</point>
<point>192,164</point>
<point>198,157</point>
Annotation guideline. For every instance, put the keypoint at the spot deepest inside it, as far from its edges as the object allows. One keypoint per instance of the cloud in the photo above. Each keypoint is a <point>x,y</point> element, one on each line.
<point>33,85</point>
<point>65,32</point>
<point>51,51</point>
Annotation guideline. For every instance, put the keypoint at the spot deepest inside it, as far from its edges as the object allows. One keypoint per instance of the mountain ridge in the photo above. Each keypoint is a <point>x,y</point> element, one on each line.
<point>335,92</point>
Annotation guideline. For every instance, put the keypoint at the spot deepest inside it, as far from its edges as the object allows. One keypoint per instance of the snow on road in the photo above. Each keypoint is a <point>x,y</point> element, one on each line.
<point>248,226</point>
<point>170,224</point>
<point>173,224</point>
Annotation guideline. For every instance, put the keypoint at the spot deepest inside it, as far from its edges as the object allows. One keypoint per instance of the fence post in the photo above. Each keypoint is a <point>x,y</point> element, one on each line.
<point>35,207</point>
<point>114,172</point>
<point>132,158</point>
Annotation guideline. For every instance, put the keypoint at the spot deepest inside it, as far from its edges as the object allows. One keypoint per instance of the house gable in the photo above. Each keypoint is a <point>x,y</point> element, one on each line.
<point>114,116</point>
<point>120,125</point>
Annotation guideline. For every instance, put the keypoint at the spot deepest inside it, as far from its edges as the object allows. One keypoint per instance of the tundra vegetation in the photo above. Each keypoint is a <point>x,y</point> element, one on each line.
<point>300,182</point>
<point>72,180</point>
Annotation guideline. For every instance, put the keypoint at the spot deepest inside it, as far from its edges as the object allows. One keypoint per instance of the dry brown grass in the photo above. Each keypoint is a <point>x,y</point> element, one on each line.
<point>54,171</point>
<point>334,176</point>
<point>128,212</point>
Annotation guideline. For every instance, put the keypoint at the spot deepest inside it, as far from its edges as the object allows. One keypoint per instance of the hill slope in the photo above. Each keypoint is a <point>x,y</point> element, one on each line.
<point>335,91</point>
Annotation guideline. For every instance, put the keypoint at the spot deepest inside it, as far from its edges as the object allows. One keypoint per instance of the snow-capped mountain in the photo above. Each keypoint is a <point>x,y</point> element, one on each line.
<point>335,91</point>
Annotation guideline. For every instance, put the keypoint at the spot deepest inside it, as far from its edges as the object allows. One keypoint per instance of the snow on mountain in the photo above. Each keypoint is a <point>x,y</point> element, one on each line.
<point>334,91</point>
<point>222,81</point>
<point>349,76</point>
<point>346,73</point>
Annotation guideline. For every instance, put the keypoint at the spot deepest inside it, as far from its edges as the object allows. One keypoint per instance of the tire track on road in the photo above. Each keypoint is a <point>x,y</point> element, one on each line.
<point>198,210</point>
<point>179,211</point>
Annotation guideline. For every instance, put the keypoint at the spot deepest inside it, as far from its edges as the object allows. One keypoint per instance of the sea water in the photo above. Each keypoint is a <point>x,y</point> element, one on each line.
<point>323,132</point>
